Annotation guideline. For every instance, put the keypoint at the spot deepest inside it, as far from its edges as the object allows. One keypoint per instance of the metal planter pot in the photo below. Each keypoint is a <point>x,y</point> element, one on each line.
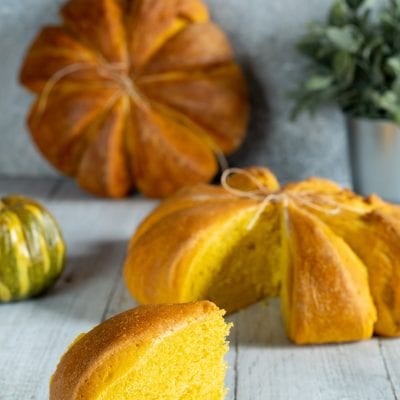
<point>375,157</point>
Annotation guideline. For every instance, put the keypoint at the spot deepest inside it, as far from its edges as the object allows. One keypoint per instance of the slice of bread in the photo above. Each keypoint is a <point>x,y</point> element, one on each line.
<point>151,352</point>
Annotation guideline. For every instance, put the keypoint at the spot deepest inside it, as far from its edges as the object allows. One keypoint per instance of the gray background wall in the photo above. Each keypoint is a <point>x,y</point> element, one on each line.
<point>263,33</point>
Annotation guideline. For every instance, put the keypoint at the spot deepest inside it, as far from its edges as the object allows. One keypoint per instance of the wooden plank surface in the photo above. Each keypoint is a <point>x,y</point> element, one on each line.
<point>271,367</point>
<point>263,363</point>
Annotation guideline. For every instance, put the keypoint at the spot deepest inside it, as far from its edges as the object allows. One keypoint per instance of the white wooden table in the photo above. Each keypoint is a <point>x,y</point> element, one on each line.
<point>263,363</point>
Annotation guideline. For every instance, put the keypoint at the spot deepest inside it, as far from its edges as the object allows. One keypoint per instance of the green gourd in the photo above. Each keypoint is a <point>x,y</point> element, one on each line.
<point>32,249</point>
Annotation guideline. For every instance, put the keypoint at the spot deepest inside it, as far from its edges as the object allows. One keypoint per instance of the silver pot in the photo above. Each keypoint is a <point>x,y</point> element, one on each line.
<point>375,157</point>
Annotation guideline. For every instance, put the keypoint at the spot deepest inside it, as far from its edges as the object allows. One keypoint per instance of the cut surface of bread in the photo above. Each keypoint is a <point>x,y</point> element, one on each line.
<point>236,266</point>
<point>152,352</point>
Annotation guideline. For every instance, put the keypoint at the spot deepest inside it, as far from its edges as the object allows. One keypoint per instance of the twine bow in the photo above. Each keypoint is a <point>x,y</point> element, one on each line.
<point>265,196</point>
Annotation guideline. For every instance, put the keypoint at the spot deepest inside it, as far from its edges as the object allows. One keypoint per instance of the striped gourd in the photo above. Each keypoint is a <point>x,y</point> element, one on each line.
<point>32,249</point>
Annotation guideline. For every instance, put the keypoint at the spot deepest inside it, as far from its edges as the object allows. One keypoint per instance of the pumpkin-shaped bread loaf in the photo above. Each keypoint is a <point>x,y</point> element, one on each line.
<point>332,256</point>
<point>168,352</point>
<point>32,249</point>
<point>135,93</point>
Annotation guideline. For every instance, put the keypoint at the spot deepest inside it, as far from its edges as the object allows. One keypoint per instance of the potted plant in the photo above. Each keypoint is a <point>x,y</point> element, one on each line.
<point>355,61</point>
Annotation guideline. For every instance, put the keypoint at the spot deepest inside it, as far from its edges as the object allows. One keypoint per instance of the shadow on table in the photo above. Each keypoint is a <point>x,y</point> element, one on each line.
<point>67,189</point>
<point>260,325</point>
<point>88,281</point>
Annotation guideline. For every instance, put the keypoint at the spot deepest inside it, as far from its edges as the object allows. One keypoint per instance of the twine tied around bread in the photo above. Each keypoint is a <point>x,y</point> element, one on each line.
<point>109,71</point>
<point>267,196</point>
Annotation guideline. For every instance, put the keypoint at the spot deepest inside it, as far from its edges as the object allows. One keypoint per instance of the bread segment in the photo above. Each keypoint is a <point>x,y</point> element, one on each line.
<point>325,295</point>
<point>375,238</point>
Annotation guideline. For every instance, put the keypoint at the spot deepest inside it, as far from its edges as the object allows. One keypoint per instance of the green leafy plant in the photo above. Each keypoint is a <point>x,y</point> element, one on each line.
<point>355,61</point>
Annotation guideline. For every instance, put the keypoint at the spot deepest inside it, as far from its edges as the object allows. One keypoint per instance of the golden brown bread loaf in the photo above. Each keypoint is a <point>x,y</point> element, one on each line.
<point>331,255</point>
<point>135,94</point>
<point>168,352</point>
